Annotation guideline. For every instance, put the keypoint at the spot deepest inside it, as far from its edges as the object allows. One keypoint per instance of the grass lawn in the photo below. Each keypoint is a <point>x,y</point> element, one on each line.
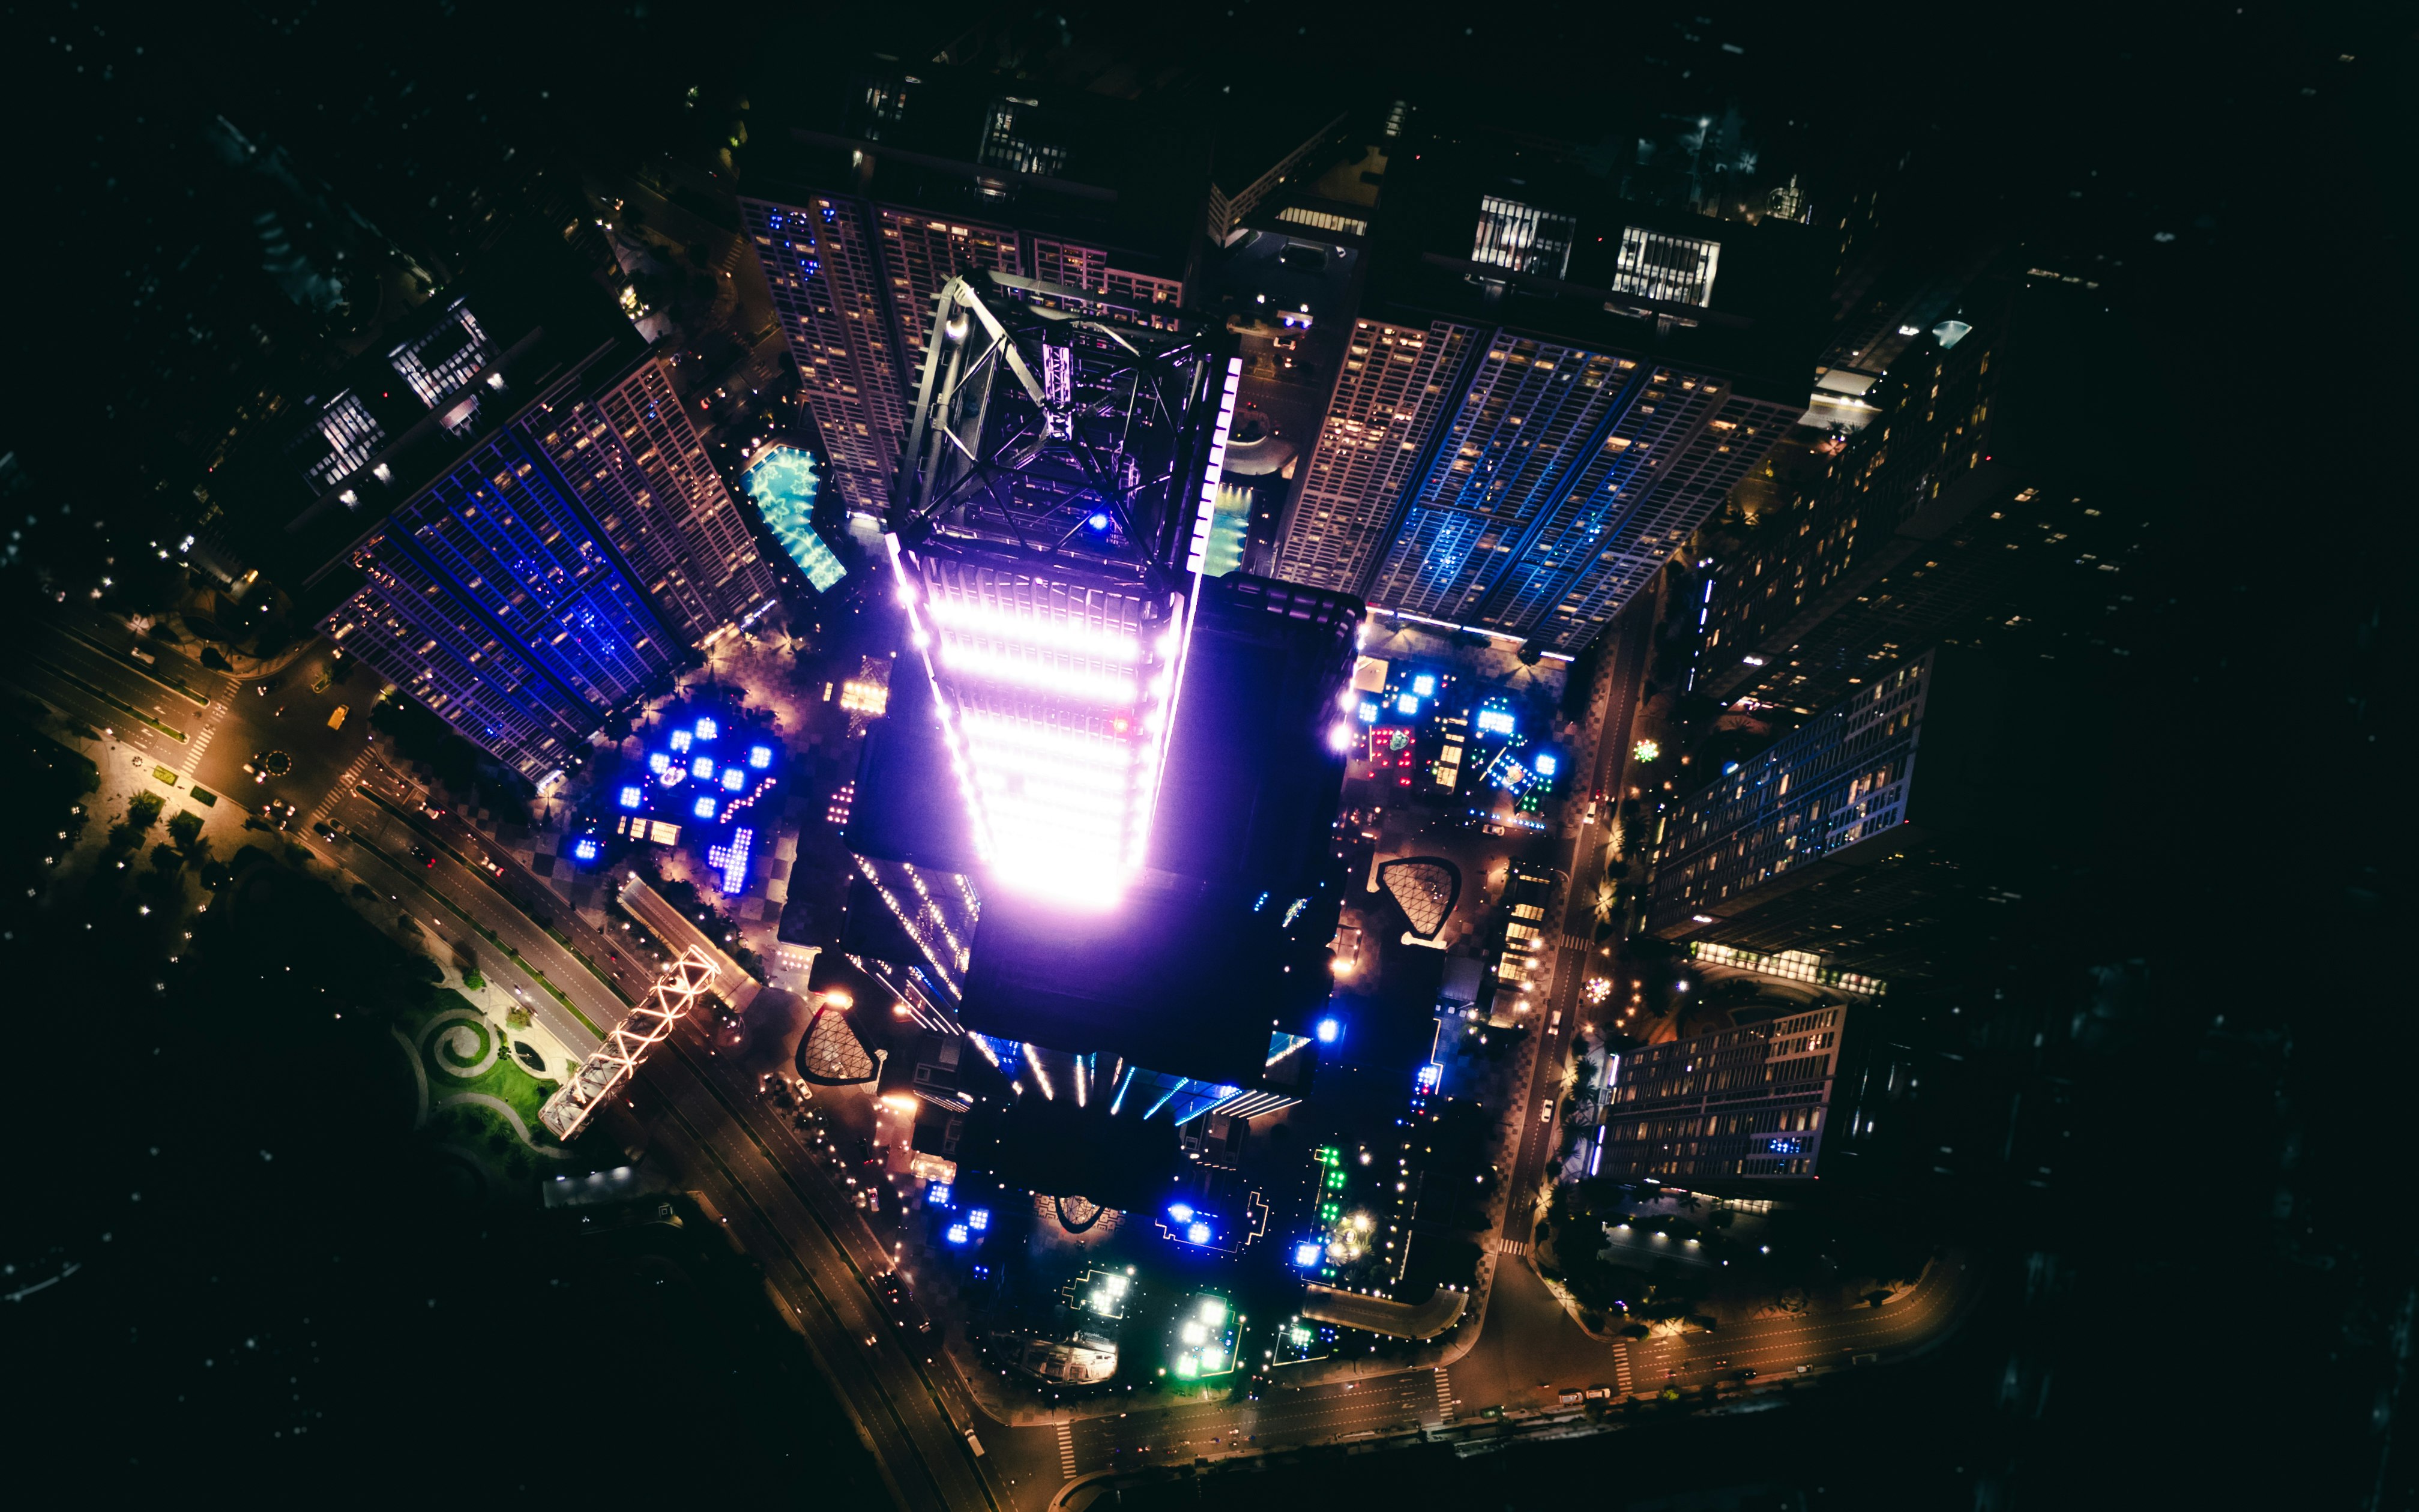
<point>507,1080</point>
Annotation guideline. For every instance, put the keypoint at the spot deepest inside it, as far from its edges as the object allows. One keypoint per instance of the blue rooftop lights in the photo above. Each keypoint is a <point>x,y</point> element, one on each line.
<point>1330,1030</point>
<point>1309,1253</point>
<point>1546,763</point>
<point>760,757</point>
<point>701,766</point>
<point>1368,711</point>
<point>1497,722</point>
<point>1198,1233</point>
<point>733,778</point>
<point>585,850</point>
<point>707,730</point>
<point>977,1219</point>
<point>937,1194</point>
<point>704,809</point>
<point>1100,521</point>
<point>958,1234</point>
<point>1409,703</point>
<point>632,796</point>
<point>1181,1212</point>
<point>1425,684</point>
<point>679,740</point>
<point>657,762</point>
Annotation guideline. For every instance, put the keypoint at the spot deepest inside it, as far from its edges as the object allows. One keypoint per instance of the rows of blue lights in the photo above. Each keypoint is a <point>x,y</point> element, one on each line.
<point>691,779</point>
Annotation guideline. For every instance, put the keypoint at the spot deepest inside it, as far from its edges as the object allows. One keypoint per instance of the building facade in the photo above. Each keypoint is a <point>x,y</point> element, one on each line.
<point>492,597</point>
<point>640,465</point>
<point>511,519</point>
<point>1546,392</point>
<point>1750,1102</point>
<point>853,282</point>
<point>1860,837</point>
<point>1981,504</point>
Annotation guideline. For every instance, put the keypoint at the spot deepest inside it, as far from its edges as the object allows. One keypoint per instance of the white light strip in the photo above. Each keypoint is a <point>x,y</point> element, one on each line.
<point>1014,763</point>
<point>1041,1076</point>
<point>987,728</point>
<point>1207,510</point>
<point>985,623</point>
<point>973,660</point>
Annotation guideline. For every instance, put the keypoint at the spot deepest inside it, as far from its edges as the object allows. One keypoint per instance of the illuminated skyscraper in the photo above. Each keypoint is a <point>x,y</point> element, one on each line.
<point>1134,762</point>
<point>1546,390</point>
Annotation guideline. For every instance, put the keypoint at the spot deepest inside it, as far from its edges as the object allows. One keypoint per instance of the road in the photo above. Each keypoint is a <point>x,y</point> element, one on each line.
<point>1776,1347</point>
<point>200,724</point>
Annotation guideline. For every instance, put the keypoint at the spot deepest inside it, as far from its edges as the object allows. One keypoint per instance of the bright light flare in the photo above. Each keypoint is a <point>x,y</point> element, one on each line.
<point>972,660</point>
<point>977,622</point>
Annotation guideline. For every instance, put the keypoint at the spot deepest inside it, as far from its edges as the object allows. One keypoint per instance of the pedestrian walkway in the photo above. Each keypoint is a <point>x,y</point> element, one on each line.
<point>1510,1247</point>
<point>1620,1378</point>
<point>1576,942</point>
<point>1066,1450</point>
<point>342,788</point>
<point>209,721</point>
<point>1445,1394</point>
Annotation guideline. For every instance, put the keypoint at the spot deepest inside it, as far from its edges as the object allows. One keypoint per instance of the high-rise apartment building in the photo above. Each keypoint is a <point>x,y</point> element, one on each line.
<point>504,511</point>
<point>1856,836</point>
<point>642,466</point>
<point>1546,390</point>
<point>906,178</point>
<point>1981,504</point>
<point>1751,1101</point>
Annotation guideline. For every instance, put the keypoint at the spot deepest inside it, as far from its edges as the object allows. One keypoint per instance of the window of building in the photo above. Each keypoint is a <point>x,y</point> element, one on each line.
<point>1659,266</point>
<point>447,358</point>
<point>1523,237</point>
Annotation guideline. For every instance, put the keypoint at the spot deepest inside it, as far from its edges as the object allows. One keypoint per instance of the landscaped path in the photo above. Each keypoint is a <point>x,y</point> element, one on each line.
<point>510,1115</point>
<point>453,1042</point>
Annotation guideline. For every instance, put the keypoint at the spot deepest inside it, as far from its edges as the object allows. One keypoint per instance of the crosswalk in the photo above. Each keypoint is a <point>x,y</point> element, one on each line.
<point>1510,1247</point>
<point>1577,942</point>
<point>1445,1394</point>
<point>200,742</point>
<point>1066,1450</point>
<point>1621,1368</point>
<point>341,788</point>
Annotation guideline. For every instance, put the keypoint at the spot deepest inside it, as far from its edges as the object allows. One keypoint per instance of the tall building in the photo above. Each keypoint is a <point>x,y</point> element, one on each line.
<point>1751,1103</point>
<point>1859,836</point>
<point>1135,765</point>
<point>1981,505</point>
<point>1546,390</point>
<point>898,179</point>
<point>505,513</point>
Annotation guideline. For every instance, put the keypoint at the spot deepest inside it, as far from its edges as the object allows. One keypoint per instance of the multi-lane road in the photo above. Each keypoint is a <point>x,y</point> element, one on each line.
<point>698,1115</point>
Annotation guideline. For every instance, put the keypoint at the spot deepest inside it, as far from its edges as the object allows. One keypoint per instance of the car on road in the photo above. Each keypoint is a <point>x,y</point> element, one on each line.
<point>1746,1375</point>
<point>424,855</point>
<point>1722,1364</point>
<point>271,685</point>
<point>892,1289</point>
<point>144,656</point>
<point>336,720</point>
